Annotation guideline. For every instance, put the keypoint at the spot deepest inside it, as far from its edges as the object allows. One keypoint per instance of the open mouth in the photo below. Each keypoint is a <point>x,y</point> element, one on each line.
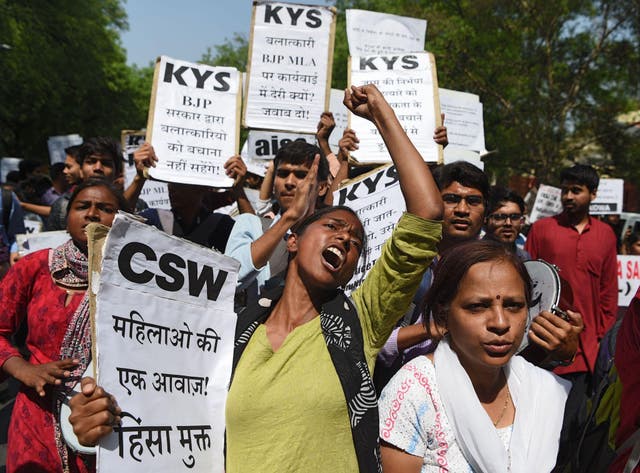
<point>333,257</point>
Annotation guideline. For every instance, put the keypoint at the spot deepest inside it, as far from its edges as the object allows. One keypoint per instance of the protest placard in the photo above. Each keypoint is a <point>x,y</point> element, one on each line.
<point>547,203</point>
<point>463,118</point>
<point>7,165</point>
<point>340,116</point>
<point>194,121</point>
<point>289,70</point>
<point>31,226</point>
<point>608,198</point>
<point>57,145</point>
<point>264,144</point>
<point>372,33</point>
<point>628,278</point>
<point>164,325</point>
<point>377,199</point>
<point>30,242</point>
<point>154,193</point>
<point>410,84</point>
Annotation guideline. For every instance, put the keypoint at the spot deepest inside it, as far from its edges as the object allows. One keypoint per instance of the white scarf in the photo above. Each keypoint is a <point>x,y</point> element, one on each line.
<point>539,398</point>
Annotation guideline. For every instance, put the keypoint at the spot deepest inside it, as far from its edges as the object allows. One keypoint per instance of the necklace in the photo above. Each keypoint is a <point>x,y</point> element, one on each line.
<point>504,408</point>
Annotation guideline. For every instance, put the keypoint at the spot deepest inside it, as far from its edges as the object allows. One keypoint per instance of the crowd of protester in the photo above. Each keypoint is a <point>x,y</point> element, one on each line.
<point>431,378</point>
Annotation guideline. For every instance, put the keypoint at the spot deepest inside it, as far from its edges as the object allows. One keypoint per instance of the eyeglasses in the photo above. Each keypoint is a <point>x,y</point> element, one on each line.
<point>503,217</point>
<point>455,199</point>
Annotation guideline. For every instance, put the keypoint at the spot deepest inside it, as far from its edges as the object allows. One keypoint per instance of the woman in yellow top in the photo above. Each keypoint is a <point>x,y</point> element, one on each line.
<point>301,398</point>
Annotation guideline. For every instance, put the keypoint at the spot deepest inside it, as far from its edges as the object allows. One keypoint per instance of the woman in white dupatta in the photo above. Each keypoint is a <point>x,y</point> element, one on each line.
<point>473,406</point>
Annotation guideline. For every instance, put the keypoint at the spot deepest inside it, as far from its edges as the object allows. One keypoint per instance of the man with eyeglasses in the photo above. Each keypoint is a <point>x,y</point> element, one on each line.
<point>505,217</point>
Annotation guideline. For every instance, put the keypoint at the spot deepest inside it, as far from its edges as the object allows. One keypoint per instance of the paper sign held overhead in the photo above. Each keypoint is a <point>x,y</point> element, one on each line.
<point>289,70</point>
<point>409,83</point>
<point>371,33</point>
<point>194,121</point>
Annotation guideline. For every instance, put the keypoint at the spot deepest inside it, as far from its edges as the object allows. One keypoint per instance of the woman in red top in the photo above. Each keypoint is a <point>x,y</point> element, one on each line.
<point>48,288</point>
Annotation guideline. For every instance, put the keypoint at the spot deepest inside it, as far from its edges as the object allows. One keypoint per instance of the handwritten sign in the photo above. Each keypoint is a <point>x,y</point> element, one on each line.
<point>154,193</point>
<point>608,198</point>
<point>165,332</point>
<point>463,117</point>
<point>340,116</point>
<point>266,144</point>
<point>377,199</point>
<point>628,278</point>
<point>57,145</point>
<point>193,121</point>
<point>290,58</point>
<point>372,33</point>
<point>410,85</point>
<point>547,203</point>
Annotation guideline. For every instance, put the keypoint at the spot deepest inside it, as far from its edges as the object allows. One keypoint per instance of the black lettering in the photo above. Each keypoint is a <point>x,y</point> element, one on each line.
<point>371,183</point>
<point>389,61</point>
<point>351,195</point>
<point>197,282</point>
<point>169,72</point>
<point>220,78</point>
<point>294,14</point>
<point>262,148</point>
<point>271,13</point>
<point>124,262</point>
<point>200,79</point>
<point>314,18</point>
<point>168,264</point>
<point>393,174</point>
<point>367,62</point>
<point>409,62</point>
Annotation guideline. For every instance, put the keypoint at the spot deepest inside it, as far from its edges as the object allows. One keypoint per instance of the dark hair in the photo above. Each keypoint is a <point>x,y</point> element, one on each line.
<point>56,170</point>
<point>123,204</point>
<point>463,172</point>
<point>631,239</point>
<point>301,152</point>
<point>74,152</point>
<point>454,265</point>
<point>498,196</point>
<point>581,174</point>
<point>103,146</point>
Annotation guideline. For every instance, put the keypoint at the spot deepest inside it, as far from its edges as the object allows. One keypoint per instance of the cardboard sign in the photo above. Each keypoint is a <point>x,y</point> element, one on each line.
<point>28,243</point>
<point>7,165</point>
<point>290,60</point>
<point>193,121</point>
<point>371,33</point>
<point>340,116</point>
<point>628,278</point>
<point>263,144</point>
<point>410,84</point>
<point>164,326</point>
<point>377,199</point>
<point>608,198</point>
<point>547,203</point>
<point>57,145</point>
<point>154,193</point>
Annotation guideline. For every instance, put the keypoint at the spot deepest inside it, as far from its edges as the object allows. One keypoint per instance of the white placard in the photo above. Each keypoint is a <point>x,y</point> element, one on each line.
<point>463,118</point>
<point>265,144</point>
<point>340,116</point>
<point>255,166</point>
<point>628,278</point>
<point>7,165</point>
<point>372,33</point>
<point>547,203</point>
<point>193,121</point>
<point>154,193</point>
<point>378,201</point>
<point>28,243</point>
<point>409,83</point>
<point>57,145</point>
<point>31,227</point>
<point>165,332</point>
<point>608,198</point>
<point>289,68</point>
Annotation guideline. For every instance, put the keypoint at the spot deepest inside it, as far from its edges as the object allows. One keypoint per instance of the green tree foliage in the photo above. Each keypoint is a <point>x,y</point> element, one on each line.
<point>553,76</point>
<point>66,72</point>
<point>233,53</point>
